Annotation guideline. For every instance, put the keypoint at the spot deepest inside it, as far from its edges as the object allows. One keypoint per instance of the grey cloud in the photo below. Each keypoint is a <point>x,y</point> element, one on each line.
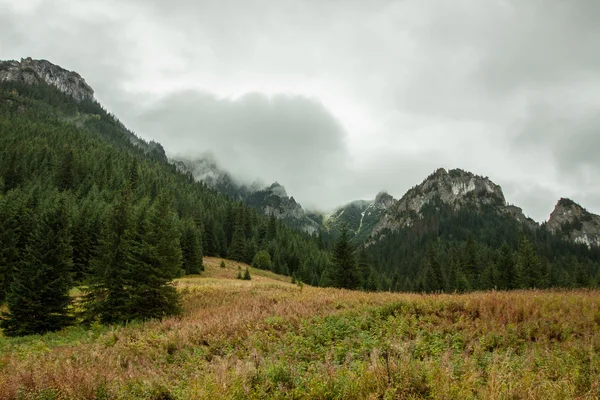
<point>291,139</point>
<point>500,87</point>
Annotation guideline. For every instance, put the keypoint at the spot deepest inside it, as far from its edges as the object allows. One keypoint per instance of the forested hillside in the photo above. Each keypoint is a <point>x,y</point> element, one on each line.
<point>95,223</point>
<point>470,248</point>
<point>84,202</point>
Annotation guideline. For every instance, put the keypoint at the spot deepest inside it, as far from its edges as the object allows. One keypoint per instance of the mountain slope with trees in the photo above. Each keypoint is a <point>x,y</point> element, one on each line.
<point>132,221</point>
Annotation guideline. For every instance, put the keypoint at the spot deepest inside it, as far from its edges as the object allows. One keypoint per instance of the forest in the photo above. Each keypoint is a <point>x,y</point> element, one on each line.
<point>87,207</point>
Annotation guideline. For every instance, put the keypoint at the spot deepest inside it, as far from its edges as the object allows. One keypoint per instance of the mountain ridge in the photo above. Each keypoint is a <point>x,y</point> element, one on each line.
<point>366,219</point>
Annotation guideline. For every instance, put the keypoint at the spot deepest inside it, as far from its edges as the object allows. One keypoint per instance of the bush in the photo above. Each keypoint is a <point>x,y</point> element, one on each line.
<point>262,260</point>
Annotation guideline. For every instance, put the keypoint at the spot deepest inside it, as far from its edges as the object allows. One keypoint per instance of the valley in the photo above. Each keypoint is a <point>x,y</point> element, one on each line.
<point>268,338</point>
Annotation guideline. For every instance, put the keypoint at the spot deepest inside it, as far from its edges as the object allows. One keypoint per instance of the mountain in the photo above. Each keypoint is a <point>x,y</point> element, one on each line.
<point>360,217</point>
<point>456,189</point>
<point>454,231</point>
<point>271,200</point>
<point>274,201</point>
<point>206,170</point>
<point>573,222</point>
<point>32,75</point>
<point>32,72</point>
<point>60,147</point>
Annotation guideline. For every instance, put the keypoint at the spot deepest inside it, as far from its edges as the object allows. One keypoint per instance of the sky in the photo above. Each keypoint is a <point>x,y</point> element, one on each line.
<point>340,99</point>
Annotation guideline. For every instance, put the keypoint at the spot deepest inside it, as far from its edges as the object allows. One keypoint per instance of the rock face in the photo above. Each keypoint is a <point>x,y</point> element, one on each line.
<point>455,188</point>
<point>360,216</point>
<point>272,200</point>
<point>33,72</point>
<point>574,223</point>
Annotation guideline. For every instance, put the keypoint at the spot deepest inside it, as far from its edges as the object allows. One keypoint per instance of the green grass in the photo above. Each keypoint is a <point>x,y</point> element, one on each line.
<point>267,338</point>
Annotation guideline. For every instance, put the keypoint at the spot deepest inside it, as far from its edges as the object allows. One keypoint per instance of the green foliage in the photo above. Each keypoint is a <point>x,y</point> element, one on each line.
<point>247,276</point>
<point>129,243</point>
<point>345,271</point>
<point>222,264</point>
<point>262,260</point>
<point>477,250</point>
<point>38,295</point>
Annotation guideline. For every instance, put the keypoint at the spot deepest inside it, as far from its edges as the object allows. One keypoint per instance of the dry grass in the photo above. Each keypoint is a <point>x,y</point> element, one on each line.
<point>267,338</point>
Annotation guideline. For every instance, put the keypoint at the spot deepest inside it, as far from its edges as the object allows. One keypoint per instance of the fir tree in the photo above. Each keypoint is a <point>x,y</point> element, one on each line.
<point>506,267</point>
<point>191,248</point>
<point>247,276</point>
<point>66,173</point>
<point>528,267</point>
<point>108,299</point>
<point>236,249</point>
<point>38,296</point>
<point>158,262</point>
<point>345,272</point>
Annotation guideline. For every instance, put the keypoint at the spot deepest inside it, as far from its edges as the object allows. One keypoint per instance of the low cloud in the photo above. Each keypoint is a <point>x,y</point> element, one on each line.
<point>290,139</point>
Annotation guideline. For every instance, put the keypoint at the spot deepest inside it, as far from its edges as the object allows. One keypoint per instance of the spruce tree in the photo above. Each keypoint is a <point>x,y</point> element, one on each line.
<point>38,296</point>
<point>191,248</point>
<point>506,268</point>
<point>345,272</point>
<point>108,298</point>
<point>237,248</point>
<point>158,261</point>
<point>528,267</point>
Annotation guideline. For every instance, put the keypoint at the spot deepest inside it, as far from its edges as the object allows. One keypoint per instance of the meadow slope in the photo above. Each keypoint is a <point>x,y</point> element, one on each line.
<point>268,338</point>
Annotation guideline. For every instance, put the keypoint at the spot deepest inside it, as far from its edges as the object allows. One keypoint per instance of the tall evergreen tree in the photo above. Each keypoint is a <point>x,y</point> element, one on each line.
<point>345,272</point>
<point>108,298</point>
<point>38,296</point>
<point>158,260</point>
<point>528,267</point>
<point>237,250</point>
<point>191,248</point>
<point>506,267</point>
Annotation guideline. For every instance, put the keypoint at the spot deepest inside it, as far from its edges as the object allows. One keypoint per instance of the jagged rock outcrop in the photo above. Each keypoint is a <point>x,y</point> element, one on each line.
<point>455,188</point>
<point>574,223</point>
<point>360,216</point>
<point>274,201</point>
<point>33,72</point>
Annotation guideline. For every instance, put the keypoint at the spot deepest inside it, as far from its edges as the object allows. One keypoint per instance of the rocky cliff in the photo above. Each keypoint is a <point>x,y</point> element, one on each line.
<point>575,223</point>
<point>455,188</point>
<point>35,71</point>
<point>360,216</point>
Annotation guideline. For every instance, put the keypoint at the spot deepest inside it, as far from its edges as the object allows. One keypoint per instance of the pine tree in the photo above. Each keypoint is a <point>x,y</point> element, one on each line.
<point>364,267</point>
<point>107,298</point>
<point>236,250</point>
<point>506,268</point>
<point>66,172</point>
<point>158,262</point>
<point>470,267</point>
<point>345,272</point>
<point>247,276</point>
<point>38,296</point>
<point>528,267</point>
<point>191,248</point>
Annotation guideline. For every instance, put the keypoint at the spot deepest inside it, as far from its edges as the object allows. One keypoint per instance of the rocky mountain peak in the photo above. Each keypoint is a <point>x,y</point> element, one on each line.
<point>574,222</point>
<point>383,200</point>
<point>455,188</point>
<point>32,72</point>
<point>277,190</point>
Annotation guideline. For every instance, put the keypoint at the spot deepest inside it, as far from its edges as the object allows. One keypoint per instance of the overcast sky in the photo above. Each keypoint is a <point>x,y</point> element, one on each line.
<point>339,99</point>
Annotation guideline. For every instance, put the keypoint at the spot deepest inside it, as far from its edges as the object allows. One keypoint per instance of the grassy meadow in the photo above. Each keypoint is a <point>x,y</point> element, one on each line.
<point>268,338</point>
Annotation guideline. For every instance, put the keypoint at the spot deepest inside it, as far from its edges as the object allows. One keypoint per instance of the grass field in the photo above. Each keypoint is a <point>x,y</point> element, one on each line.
<point>268,338</point>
